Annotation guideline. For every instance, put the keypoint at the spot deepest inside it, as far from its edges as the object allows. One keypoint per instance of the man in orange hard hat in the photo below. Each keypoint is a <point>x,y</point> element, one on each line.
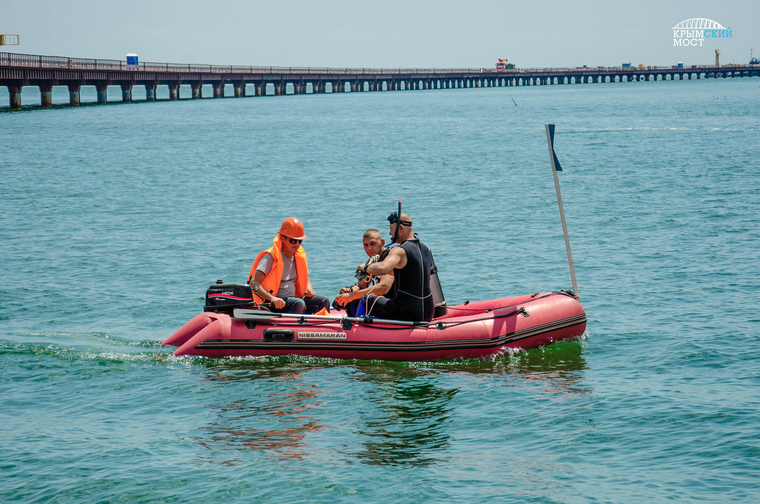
<point>280,275</point>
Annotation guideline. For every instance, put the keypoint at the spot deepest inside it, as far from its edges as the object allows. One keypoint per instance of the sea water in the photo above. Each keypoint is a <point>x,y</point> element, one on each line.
<point>114,219</point>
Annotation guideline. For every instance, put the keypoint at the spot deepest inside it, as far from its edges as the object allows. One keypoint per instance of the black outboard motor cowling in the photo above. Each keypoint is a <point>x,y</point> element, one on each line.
<point>223,298</point>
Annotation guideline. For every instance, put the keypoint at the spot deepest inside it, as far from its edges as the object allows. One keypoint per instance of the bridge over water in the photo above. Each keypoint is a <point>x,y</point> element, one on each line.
<point>19,70</point>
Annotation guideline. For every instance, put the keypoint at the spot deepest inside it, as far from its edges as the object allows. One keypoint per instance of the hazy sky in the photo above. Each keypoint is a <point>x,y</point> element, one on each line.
<point>383,33</point>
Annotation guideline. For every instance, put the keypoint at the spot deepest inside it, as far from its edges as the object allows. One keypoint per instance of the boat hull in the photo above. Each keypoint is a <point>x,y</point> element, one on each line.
<point>473,331</point>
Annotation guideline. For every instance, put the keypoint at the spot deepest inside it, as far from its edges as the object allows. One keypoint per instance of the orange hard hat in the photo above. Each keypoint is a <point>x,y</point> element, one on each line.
<point>292,228</point>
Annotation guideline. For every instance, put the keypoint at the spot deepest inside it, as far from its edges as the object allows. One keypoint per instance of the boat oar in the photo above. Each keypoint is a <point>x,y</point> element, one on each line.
<point>556,167</point>
<point>248,314</point>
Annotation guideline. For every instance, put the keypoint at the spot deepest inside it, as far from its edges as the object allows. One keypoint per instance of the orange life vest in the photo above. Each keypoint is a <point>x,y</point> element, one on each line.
<point>271,282</point>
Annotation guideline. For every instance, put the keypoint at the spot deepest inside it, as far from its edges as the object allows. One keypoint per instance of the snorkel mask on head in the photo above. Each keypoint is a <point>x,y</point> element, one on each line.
<point>393,218</point>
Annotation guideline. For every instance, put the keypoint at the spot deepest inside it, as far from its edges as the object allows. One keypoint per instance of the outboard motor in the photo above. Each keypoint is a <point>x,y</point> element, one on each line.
<point>224,298</point>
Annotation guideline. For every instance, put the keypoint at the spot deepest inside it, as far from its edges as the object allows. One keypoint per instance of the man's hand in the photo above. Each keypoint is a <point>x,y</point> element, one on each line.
<point>342,299</point>
<point>278,303</point>
<point>309,292</point>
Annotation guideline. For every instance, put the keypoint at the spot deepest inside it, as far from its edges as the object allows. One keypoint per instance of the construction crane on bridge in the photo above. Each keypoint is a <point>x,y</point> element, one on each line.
<point>8,39</point>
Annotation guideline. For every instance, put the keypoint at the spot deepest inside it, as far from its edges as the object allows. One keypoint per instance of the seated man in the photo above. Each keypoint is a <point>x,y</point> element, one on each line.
<point>280,275</point>
<point>349,297</point>
<point>410,297</point>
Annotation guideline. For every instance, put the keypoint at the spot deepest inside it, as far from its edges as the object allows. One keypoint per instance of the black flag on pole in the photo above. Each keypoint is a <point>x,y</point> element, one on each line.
<point>551,140</point>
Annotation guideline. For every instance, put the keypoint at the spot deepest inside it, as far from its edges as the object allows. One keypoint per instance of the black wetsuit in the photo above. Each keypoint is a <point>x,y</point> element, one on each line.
<point>410,297</point>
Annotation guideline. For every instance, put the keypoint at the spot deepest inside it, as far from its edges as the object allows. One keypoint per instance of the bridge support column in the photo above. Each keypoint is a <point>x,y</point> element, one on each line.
<point>150,92</point>
<point>102,90</point>
<point>126,92</point>
<point>174,91</point>
<point>14,91</point>
<point>196,90</point>
<point>260,89</point>
<point>46,95</point>
<point>218,89</point>
<point>74,94</point>
<point>239,88</point>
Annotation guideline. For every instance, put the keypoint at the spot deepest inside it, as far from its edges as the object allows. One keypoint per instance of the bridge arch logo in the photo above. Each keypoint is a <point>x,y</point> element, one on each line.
<point>693,32</point>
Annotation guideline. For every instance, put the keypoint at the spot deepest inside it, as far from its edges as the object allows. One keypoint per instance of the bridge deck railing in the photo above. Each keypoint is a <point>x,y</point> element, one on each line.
<point>61,62</point>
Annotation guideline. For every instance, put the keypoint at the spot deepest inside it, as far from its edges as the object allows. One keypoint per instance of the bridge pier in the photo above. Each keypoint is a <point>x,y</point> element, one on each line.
<point>15,95</point>
<point>218,89</point>
<point>174,91</point>
<point>195,88</point>
<point>239,88</point>
<point>102,91</point>
<point>126,92</point>
<point>150,92</point>
<point>46,95</point>
<point>74,94</point>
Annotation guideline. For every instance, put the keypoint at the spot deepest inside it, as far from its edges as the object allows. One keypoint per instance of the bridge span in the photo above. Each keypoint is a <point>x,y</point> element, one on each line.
<point>19,70</point>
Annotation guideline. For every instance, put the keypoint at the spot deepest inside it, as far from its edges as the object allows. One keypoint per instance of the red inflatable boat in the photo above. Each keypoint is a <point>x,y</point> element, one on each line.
<point>478,330</point>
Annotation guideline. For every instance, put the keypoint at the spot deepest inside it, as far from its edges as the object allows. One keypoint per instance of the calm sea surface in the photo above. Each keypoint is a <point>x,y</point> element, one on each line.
<point>115,219</point>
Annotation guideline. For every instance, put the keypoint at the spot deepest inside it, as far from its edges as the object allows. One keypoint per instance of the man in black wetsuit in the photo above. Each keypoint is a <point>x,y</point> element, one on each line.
<point>410,297</point>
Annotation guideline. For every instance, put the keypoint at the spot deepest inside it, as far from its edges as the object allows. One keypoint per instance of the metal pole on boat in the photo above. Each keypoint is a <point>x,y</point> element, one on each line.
<point>555,168</point>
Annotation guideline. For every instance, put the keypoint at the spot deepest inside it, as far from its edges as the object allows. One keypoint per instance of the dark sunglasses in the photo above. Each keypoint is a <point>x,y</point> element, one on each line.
<point>291,240</point>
